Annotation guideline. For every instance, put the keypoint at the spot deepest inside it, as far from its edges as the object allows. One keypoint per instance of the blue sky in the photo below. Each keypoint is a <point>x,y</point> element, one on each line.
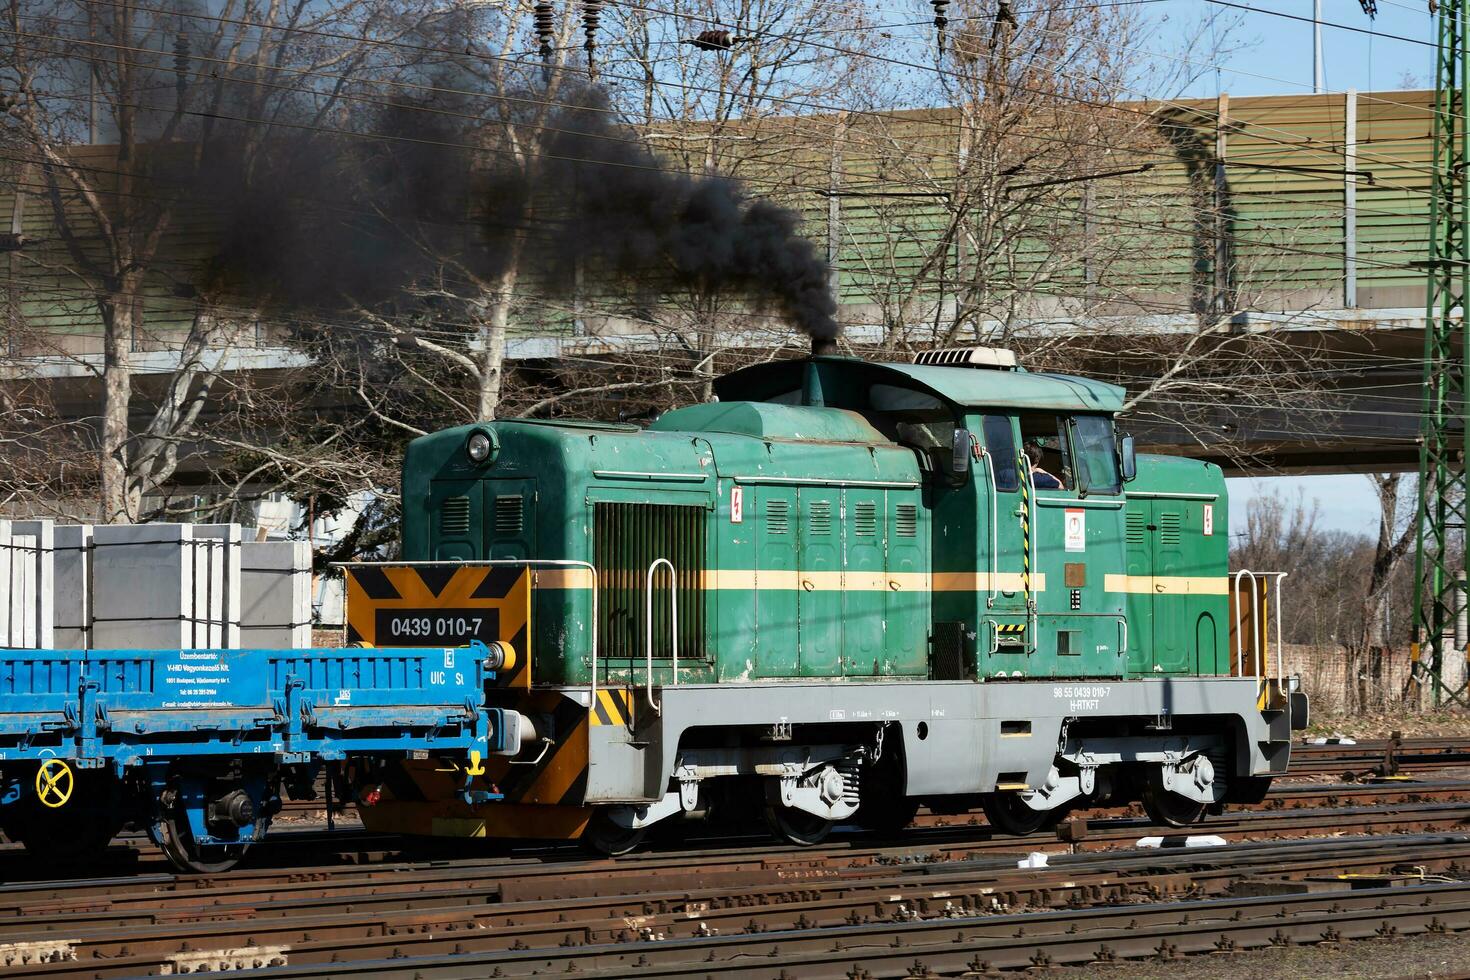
<point>1274,57</point>
<point>1345,503</point>
<point>1272,54</point>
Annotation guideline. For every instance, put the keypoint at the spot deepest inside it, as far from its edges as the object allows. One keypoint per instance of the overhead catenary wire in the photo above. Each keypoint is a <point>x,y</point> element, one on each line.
<point>848,52</point>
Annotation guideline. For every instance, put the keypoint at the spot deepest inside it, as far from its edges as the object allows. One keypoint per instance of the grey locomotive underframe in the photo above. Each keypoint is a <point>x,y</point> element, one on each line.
<point>956,737</point>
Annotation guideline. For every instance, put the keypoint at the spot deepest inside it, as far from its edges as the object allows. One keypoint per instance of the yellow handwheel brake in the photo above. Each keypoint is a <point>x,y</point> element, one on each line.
<point>54,783</point>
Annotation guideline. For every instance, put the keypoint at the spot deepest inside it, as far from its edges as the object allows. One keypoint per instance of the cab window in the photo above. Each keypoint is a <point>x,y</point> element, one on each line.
<point>915,419</point>
<point>1044,442</point>
<point>1000,443</point>
<point>1097,456</point>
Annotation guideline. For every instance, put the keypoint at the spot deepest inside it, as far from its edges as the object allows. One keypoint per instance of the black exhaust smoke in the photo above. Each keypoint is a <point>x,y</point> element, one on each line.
<point>351,221</point>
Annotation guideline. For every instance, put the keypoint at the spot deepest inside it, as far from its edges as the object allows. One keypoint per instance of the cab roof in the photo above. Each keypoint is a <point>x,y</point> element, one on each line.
<point>965,386</point>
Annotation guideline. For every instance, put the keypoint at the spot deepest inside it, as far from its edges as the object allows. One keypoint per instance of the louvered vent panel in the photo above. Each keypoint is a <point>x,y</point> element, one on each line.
<point>865,518</point>
<point>1136,528</point>
<point>508,515</point>
<point>778,516</point>
<point>627,538</point>
<point>1169,528</point>
<point>454,516</point>
<point>907,517</point>
<point>822,517</point>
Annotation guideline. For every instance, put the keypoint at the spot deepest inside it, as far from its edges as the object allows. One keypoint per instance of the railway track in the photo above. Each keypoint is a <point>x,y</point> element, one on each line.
<point>430,917</point>
<point>857,904</point>
<point>1364,758</point>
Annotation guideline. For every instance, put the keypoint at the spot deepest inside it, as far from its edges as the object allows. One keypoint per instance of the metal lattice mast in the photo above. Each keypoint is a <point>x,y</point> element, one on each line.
<point>1440,559</point>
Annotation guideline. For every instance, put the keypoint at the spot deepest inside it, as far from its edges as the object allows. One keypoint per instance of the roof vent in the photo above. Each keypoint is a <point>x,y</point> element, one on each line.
<point>993,358</point>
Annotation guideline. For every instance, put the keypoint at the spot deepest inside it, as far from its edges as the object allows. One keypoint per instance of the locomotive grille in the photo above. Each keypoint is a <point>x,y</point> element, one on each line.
<point>778,516</point>
<point>509,514</point>
<point>865,518</point>
<point>454,516</point>
<point>627,538</point>
<point>907,517</point>
<point>1135,527</point>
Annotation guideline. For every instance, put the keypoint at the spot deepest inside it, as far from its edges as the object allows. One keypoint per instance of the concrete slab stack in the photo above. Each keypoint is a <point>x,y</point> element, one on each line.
<point>275,592</point>
<point>26,584</point>
<point>73,578</point>
<point>151,586</point>
<point>165,586</point>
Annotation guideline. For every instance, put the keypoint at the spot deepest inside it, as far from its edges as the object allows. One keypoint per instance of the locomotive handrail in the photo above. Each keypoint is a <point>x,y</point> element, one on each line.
<point>1255,592</point>
<point>994,518</point>
<point>673,623</point>
<point>1240,578</point>
<point>523,562</point>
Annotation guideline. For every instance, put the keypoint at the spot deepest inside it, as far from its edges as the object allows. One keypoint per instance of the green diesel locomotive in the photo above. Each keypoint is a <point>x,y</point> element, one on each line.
<point>838,591</point>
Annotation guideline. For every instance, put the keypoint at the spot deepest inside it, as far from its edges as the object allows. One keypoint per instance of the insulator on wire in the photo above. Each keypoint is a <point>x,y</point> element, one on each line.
<point>545,29</point>
<point>591,17</point>
<point>941,7</point>
<point>1004,17</point>
<point>181,62</point>
<point>717,40</point>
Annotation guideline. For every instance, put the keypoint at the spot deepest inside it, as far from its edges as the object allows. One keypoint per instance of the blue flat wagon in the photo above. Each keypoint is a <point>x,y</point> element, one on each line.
<point>197,745</point>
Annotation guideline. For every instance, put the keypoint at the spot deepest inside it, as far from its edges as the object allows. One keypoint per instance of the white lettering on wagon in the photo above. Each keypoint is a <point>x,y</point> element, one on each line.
<point>201,679</point>
<point>1081,697</point>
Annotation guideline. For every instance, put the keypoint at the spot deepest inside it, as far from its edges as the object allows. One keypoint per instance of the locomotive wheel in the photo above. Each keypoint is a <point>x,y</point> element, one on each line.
<point>1166,808</point>
<point>797,826</point>
<point>1009,814</point>
<point>606,838</point>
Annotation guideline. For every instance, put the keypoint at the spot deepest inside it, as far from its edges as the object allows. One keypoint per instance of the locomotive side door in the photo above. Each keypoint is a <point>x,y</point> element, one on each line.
<point>864,540</point>
<point>819,582</point>
<point>1139,566</point>
<point>1002,647</point>
<point>775,581</point>
<point>1170,642</point>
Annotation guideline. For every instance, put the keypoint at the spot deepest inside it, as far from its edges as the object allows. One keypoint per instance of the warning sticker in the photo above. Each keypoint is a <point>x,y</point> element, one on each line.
<point>1209,520</point>
<point>1075,530</point>
<point>737,505</point>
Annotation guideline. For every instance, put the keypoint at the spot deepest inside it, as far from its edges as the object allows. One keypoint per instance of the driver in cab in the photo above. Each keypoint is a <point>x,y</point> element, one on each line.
<point>1040,478</point>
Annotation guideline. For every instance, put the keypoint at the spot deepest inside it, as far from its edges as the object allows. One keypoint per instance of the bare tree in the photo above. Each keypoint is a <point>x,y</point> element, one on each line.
<point>167,91</point>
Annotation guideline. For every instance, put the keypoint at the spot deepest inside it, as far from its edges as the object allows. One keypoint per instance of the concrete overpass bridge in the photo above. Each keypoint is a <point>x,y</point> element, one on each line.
<point>1271,295</point>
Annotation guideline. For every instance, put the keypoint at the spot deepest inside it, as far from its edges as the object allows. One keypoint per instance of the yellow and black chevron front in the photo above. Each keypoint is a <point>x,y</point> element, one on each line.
<point>1005,629</point>
<point>614,707</point>
<point>453,605</point>
<point>544,791</point>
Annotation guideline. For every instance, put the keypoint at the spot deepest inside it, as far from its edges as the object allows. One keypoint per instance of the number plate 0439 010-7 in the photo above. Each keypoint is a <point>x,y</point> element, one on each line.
<point>436,627</point>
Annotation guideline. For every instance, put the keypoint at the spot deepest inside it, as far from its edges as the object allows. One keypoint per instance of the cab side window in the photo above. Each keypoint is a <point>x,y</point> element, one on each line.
<point>1097,454</point>
<point>1000,443</point>
<point>1044,441</point>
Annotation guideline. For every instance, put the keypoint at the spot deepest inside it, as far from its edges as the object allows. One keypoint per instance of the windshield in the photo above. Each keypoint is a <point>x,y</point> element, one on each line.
<point>1096,454</point>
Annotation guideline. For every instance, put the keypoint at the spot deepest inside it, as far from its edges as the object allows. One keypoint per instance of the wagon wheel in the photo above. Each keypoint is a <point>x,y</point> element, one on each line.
<point>1009,814</point>
<point>606,838</point>
<point>1167,808</point>
<point>191,857</point>
<point>796,826</point>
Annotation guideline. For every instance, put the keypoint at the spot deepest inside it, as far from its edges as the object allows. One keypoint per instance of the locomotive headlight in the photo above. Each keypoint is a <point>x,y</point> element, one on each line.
<point>479,447</point>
